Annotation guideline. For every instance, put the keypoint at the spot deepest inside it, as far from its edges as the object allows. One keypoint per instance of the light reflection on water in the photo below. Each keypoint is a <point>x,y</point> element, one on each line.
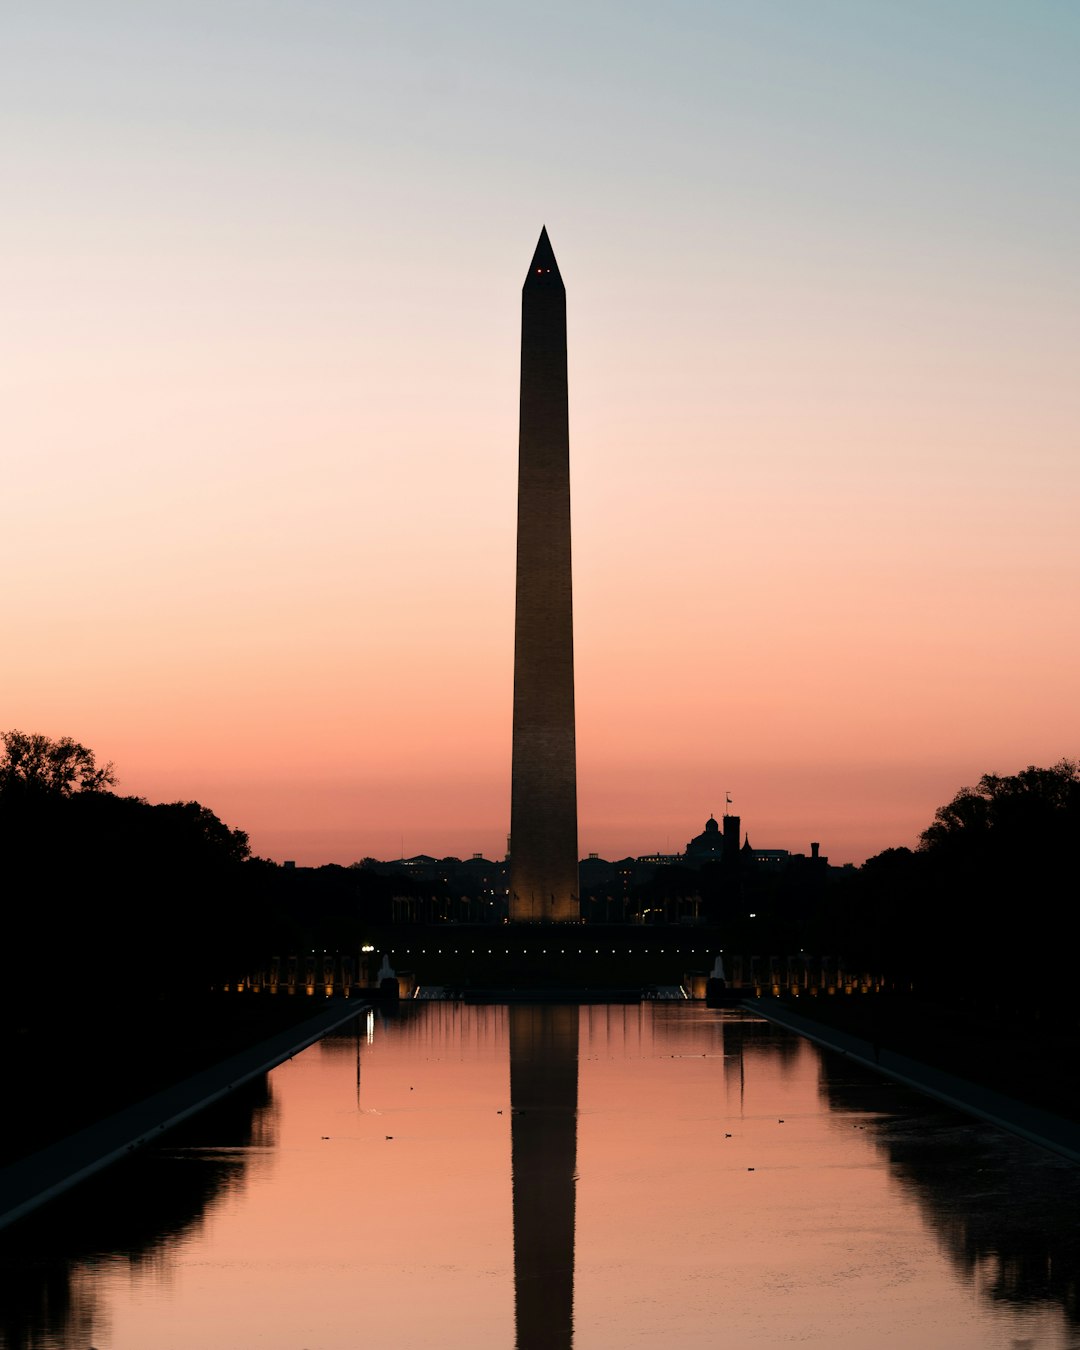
<point>662,1173</point>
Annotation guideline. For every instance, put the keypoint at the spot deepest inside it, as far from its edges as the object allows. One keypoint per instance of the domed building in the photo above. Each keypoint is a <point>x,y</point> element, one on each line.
<point>708,846</point>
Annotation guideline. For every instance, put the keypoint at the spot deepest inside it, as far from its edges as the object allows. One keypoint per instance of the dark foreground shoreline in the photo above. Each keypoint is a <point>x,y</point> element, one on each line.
<point>33,1180</point>
<point>1044,1128</point>
<point>1013,1050</point>
<point>72,1061</point>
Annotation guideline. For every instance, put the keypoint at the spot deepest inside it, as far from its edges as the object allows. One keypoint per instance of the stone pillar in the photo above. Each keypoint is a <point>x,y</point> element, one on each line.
<point>543,796</point>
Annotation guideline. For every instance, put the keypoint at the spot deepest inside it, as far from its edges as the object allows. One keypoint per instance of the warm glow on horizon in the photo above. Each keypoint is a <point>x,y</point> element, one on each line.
<point>260,438</point>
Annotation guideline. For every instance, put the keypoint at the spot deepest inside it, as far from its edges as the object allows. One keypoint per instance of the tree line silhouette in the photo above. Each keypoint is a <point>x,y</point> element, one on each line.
<point>103,888</point>
<point>104,893</point>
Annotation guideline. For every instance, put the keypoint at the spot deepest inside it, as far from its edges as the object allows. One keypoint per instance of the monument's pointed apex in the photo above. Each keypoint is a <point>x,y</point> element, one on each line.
<point>543,267</point>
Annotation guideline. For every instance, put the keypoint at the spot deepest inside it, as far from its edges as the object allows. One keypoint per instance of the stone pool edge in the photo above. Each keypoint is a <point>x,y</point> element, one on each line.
<point>1040,1127</point>
<point>33,1181</point>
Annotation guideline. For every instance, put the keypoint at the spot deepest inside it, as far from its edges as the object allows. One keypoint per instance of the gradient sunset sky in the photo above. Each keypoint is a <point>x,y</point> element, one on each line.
<point>262,271</point>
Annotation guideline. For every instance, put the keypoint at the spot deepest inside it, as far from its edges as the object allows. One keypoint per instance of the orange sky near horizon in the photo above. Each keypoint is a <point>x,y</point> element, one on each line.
<point>260,410</point>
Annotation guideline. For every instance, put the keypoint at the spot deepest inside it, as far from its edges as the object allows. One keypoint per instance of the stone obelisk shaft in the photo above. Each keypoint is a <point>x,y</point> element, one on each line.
<point>543,805</point>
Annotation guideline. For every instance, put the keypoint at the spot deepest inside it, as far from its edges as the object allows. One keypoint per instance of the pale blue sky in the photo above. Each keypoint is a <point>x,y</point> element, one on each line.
<point>261,266</point>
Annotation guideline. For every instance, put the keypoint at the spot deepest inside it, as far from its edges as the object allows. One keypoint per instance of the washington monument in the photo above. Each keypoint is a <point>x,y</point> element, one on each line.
<point>543,792</point>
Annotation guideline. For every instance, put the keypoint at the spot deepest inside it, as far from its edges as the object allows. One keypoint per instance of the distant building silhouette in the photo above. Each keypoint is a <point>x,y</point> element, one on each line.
<point>476,889</point>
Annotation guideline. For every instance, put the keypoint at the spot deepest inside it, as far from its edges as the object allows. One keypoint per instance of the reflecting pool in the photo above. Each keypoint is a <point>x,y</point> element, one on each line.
<point>560,1178</point>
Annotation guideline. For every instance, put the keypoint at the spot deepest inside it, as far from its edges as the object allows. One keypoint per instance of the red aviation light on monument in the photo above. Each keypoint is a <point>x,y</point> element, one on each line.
<point>543,265</point>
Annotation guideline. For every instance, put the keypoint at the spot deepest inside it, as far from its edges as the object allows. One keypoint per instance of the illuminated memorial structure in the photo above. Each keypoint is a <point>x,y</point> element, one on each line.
<point>543,794</point>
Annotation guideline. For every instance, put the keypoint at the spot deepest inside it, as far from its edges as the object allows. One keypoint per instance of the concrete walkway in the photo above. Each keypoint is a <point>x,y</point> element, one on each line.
<point>1040,1127</point>
<point>40,1177</point>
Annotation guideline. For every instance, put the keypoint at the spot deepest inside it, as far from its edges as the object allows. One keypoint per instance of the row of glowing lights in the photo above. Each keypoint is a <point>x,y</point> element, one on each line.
<point>544,951</point>
<point>273,985</point>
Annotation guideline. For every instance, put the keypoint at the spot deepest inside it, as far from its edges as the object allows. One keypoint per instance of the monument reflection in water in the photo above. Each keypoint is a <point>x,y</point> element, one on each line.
<point>625,1175</point>
<point>543,1103</point>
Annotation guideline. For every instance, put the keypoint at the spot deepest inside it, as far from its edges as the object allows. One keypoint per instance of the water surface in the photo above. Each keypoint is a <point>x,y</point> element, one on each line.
<point>561,1179</point>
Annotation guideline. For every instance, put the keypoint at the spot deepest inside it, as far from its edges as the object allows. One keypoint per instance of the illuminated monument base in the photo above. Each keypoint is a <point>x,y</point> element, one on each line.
<point>543,795</point>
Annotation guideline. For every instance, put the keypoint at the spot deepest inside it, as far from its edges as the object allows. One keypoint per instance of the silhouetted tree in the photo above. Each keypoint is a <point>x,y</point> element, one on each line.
<point>32,762</point>
<point>97,886</point>
<point>978,910</point>
<point>1036,809</point>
